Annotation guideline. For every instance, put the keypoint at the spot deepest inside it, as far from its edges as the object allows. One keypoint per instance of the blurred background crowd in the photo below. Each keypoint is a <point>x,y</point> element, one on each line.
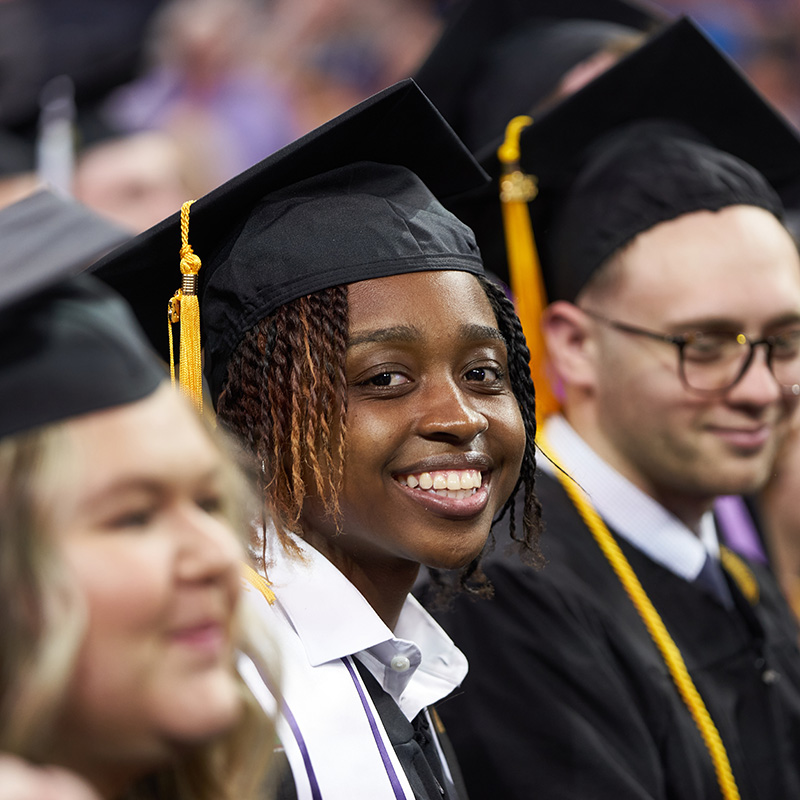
<point>135,105</point>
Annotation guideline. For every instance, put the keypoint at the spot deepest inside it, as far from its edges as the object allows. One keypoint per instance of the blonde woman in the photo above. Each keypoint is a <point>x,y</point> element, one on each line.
<point>119,566</point>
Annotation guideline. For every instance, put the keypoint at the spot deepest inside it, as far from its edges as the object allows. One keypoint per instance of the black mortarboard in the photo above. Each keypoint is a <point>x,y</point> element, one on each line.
<point>354,199</point>
<point>46,237</point>
<point>499,58</point>
<point>68,344</point>
<point>673,128</point>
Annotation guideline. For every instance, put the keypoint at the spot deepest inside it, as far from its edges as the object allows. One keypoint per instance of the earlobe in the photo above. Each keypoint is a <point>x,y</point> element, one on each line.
<point>570,344</point>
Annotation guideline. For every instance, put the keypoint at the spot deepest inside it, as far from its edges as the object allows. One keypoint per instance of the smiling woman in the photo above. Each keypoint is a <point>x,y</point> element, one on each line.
<point>381,383</point>
<point>119,556</point>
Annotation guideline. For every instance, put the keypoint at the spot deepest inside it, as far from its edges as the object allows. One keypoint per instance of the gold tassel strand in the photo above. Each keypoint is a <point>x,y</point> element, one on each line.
<point>184,307</point>
<point>516,190</point>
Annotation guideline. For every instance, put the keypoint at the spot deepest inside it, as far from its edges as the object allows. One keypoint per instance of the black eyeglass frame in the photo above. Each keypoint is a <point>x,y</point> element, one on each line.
<point>680,340</point>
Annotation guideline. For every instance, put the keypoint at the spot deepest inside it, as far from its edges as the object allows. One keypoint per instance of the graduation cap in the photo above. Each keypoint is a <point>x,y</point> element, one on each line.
<point>500,58</point>
<point>497,60</point>
<point>46,237</point>
<point>352,200</point>
<point>68,344</point>
<point>672,129</point>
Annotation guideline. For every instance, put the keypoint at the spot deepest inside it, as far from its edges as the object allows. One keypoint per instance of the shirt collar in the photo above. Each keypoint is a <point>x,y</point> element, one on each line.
<point>634,515</point>
<point>333,620</point>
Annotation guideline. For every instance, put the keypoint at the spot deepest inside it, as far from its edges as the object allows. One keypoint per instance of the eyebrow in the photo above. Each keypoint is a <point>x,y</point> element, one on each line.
<point>145,484</point>
<point>410,333</point>
<point>712,324</point>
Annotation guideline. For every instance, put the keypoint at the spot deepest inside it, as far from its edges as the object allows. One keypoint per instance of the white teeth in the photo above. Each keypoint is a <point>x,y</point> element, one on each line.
<point>448,483</point>
<point>461,494</point>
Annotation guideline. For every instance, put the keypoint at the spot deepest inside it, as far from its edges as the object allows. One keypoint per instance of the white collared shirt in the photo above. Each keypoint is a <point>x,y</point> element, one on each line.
<point>631,513</point>
<point>321,622</point>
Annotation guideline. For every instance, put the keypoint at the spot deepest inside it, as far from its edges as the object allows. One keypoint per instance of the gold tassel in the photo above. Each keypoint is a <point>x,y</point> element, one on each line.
<point>184,307</point>
<point>516,190</point>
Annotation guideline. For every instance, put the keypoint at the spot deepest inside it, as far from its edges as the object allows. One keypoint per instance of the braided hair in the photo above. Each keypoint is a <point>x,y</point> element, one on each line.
<point>285,397</point>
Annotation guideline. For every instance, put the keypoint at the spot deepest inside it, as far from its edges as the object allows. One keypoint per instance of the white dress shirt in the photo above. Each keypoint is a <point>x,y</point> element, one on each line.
<point>331,731</point>
<point>631,513</point>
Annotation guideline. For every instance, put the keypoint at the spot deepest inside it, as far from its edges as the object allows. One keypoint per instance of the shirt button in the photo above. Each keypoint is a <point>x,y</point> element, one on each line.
<point>399,663</point>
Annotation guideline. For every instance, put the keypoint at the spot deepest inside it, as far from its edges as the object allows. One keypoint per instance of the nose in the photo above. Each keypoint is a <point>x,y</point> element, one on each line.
<point>757,387</point>
<point>209,549</point>
<point>448,413</point>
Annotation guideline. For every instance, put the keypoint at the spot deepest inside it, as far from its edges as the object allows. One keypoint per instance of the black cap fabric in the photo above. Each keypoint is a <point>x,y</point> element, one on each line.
<point>46,237</point>
<point>68,345</point>
<point>353,200</point>
<point>673,128</point>
<point>500,58</point>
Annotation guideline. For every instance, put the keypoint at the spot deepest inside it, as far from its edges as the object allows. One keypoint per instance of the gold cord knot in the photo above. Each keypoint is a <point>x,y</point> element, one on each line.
<point>190,261</point>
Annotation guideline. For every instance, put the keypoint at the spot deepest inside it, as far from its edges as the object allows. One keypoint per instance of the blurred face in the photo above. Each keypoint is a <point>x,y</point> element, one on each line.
<point>434,437</point>
<point>143,536</point>
<point>732,271</point>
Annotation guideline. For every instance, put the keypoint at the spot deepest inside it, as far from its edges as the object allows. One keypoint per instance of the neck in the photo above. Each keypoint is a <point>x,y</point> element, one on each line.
<point>689,511</point>
<point>688,507</point>
<point>384,581</point>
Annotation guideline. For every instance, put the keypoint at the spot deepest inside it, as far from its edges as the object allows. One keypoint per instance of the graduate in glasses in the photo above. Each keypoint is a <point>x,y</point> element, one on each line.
<point>645,660</point>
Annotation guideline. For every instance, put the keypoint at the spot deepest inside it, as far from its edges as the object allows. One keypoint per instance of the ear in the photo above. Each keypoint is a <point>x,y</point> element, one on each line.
<point>570,344</point>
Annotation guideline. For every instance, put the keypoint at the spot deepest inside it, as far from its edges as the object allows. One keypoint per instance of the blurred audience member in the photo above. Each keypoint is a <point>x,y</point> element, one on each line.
<point>137,180</point>
<point>119,546</point>
<point>203,85</point>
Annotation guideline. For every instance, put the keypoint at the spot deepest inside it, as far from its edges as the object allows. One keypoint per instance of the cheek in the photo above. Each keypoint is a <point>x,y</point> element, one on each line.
<point>126,598</point>
<point>513,430</point>
<point>372,438</point>
<point>126,584</point>
<point>507,433</point>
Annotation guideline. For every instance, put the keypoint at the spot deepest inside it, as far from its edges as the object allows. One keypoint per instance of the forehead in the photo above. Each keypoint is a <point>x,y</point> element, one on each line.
<point>738,262</point>
<point>446,299</point>
<point>157,439</point>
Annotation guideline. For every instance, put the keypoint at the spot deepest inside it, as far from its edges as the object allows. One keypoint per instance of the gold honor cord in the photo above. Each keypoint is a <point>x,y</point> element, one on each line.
<point>516,190</point>
<point>184,307</point>
<point>259,582</point>
<point>741,573</point>
<point>655,627</point>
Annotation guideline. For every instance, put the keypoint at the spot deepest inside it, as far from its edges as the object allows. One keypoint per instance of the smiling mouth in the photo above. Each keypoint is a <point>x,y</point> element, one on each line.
<point>455,484</point>
<point>747,439</point>
<point>206,638</point>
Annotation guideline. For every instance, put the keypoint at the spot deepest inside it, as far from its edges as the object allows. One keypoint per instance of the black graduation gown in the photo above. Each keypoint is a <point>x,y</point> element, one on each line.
<point>567,697</point>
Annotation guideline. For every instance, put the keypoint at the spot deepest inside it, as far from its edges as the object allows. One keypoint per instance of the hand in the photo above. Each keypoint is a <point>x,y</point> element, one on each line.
<point>22,781</point>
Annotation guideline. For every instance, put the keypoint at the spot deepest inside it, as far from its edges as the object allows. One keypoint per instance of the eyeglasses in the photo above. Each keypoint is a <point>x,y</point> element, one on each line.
<point>713,362</point>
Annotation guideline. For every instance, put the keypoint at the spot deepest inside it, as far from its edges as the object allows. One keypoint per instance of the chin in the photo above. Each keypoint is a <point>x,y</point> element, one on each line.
<point>457,557</point>
<point>738,482</point>
<point>203,714</point>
